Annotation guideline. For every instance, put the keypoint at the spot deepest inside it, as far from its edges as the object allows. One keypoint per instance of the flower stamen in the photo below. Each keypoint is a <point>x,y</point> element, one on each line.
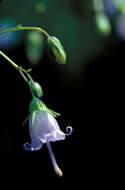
<point>56,168</point>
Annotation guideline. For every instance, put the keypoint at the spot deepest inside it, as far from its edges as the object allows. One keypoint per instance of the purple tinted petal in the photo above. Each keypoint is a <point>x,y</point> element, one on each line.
<point>26,146</point>
<point>48,137</point>
<point>31,147</point>
<point>36,143</point>
<point>53,123</point>
<point>45,128</point>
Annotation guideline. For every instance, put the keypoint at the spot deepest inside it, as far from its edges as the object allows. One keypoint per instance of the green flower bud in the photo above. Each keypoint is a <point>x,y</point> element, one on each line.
<point>57,49</point>
<point>103,23</point>
<point>36,88</point>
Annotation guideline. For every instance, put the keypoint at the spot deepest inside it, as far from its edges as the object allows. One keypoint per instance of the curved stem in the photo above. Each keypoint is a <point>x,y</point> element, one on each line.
<point>9,60</point>
<point>30,78</point>
<point>18,68</point>
<point>23,76</point>
<point>19,28</point>
<point>26,80</point>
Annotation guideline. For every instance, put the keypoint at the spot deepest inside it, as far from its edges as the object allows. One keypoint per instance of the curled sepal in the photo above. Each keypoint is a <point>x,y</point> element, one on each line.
<point>57,49</point>
<point>38,105</point>
<point>69,130</point>
<point>29,147</point>
<point>36,88</point>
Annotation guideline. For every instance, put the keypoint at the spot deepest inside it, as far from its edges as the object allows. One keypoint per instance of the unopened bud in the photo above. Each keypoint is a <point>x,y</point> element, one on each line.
<point>57,49</point>
<point>36,88</point>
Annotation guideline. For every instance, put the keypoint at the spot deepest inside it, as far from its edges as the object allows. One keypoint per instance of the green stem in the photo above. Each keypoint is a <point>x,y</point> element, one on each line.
<point>9,60</point>
<point>25,79</point>
<point>23,76</point>
<point>18,68</point>
<point>19,28</point>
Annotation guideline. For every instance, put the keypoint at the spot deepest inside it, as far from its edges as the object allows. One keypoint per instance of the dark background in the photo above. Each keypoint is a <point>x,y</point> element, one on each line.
<point>88,108</point>
<point>87,102</point>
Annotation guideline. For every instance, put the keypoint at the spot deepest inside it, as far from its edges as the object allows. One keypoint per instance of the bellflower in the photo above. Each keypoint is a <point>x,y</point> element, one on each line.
<point>43,129</point>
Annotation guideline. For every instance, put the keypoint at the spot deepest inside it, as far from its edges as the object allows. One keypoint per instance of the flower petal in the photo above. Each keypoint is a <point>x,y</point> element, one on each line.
<point>45,127</point>
<point>32,147</point>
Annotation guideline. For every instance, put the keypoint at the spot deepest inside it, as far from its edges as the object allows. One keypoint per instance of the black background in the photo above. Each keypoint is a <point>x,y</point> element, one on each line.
<point>87,104</point>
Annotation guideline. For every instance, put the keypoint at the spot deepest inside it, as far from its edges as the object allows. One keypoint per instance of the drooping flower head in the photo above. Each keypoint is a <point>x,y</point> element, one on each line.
<point>43,129</point>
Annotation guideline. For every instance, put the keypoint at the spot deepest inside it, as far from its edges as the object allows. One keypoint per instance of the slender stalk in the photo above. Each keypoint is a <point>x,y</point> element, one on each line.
<point>21,28</point>
<point>56,167</point>
<point>18,68</point>
<point>23,76</point>
<point>9,60</point>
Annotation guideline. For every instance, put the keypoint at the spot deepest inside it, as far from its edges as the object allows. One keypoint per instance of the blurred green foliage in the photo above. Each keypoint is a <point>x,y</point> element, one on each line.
<point>34,46</point>
<point>70,21</point>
